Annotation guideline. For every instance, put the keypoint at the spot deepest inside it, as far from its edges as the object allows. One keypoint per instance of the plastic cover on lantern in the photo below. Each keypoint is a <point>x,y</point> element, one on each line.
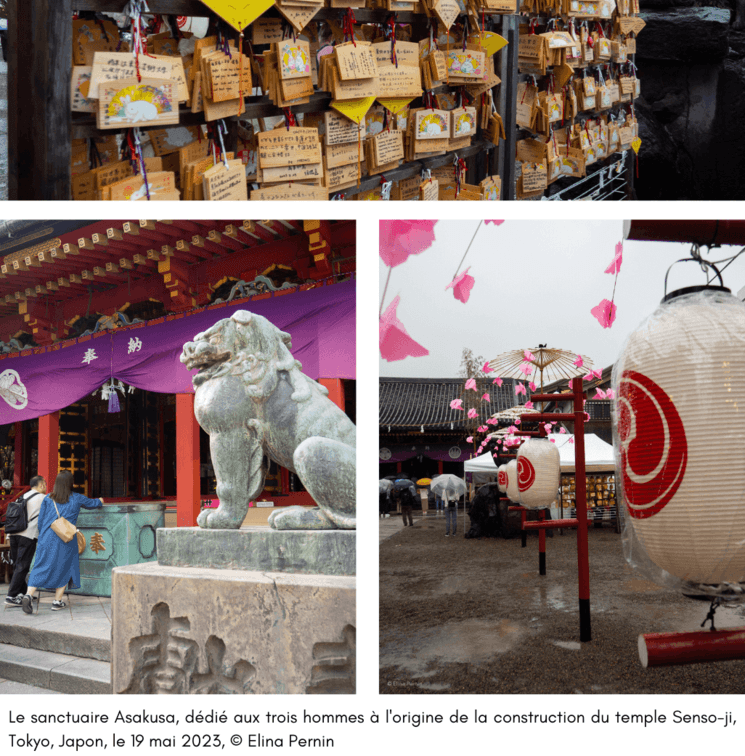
<point>538,473</point>
<point>512,492</point>
<point>681,377</point>
<point>502,478</point>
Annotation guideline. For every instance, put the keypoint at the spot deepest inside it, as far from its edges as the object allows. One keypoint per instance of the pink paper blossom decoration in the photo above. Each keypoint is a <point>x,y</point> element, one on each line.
<point>395,343</point>
<point>498,381</point>
<point>571,440</point>
<point>526,368</point>
<point>518,421</point>
<point>495,222</point>
<point>615,266</point>
<point>472,413</point>
<point>456,404</point>
<point>552,440</point>
<point>469,440</point>
<point>600,394</point>
<point>532,386</point>
<point>486,368</point>
<point>512,429</point>
<point>605,313</point>
<point>579,361</point>
<point>528,355</point>
<point>482,429</point>
<point>471,384</point>
<point>492,421</point>
<point>520,389</point>
<point>610,394</point>
<point>528,405</point>
<point>399,239</point>
<point>593,374</point>
<point>562,430</point>
<point>462,285</point>
<point>486,397</point>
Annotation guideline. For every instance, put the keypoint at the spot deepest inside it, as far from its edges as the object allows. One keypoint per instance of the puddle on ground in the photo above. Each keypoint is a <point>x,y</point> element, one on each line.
<point>432,686</point>
<point>640,586</point>
<point>570,645</point>
<point>474,640</point>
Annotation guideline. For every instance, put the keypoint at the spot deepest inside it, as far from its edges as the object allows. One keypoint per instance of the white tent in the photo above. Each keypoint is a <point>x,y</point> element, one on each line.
<point>598,457</point>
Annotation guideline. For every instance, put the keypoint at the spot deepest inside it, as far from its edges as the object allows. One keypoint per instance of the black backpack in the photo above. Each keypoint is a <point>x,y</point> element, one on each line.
<point>16,515</point>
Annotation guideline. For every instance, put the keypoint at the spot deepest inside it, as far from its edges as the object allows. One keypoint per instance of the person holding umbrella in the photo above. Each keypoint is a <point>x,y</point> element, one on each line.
<point>450,488</point>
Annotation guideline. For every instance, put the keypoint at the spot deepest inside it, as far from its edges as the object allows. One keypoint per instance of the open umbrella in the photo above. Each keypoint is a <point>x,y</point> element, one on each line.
<point>550,364</point>
<point>449,487</point>
<point>424,481</point>
<point>384,486</point>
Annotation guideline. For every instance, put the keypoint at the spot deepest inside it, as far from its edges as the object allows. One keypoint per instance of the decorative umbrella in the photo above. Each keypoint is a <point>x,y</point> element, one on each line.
<point>551,364</point>
<point>449,487</point>
<point>513,413</point>
<point>424,481</point>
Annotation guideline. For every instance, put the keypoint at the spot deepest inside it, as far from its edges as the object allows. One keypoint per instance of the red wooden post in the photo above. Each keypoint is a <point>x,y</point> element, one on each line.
<point>187,462</point>
<point>440,464</point>
<point>284,478</point>
<point>48,447</point>
<point>18,457</point>
<point>542,545</point>
<point>583,561</point>
<point>336,390</point>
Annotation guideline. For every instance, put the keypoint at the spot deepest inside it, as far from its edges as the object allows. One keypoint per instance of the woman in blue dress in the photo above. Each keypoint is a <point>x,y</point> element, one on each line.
<point>57,564</point>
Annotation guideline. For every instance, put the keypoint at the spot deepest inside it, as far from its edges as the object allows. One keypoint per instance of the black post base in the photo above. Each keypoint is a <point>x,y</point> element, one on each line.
<point>585,629</point>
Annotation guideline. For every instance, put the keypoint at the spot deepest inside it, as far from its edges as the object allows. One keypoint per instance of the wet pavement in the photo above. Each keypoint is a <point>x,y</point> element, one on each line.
<point>474,616</point>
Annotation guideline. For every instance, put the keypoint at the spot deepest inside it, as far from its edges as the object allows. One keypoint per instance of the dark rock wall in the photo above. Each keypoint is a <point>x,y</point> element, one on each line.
<point>692,69</point>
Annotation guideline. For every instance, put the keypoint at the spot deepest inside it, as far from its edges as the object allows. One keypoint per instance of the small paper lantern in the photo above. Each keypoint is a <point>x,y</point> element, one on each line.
<point>538,473</point>
<point>511,472</point>
<point>679,435</point>
<point>502,478</point>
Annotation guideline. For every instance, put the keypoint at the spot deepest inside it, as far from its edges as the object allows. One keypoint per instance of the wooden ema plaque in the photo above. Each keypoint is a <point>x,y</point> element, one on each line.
<point>167,141</point>
<point>341,130</point>
<point>356,61</point>
<point>223,183</point>
<point>293,59</point>
<point>294,146</point>
<point>128,102</point>
<point>291,192</point>
<point>108,67</point>
<point>432,124</point>
<point>79,84</point>
<point>429,191</point>
<point>162,186</point>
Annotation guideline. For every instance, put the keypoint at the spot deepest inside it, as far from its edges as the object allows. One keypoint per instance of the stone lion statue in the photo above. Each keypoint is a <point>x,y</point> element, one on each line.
<point>254,402</point>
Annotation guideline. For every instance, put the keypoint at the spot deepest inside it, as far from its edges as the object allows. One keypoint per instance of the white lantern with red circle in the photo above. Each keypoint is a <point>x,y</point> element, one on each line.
<point>538,473</point>
<point>502,478</point>
<point>679,433</point>
<point>512,491</point>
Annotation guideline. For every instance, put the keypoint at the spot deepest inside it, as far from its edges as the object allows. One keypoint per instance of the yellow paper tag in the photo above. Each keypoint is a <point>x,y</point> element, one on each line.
<point>636,144</point>
<point>353,109</point>
<point>238,13</point>
<point>489,41</point>
<point>395,104</point>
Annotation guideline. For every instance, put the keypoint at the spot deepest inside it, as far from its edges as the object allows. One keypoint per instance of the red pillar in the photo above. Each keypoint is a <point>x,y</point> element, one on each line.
<point>440,464</point>
<point>284,478</point>
<point>336,390</point>
<point>580,499</point>
<point>48,448</point>
<point>187,462</point>
<point>18,465</point>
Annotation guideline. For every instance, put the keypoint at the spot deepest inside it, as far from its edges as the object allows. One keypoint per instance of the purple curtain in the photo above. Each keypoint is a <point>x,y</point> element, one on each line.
<point>39,381</point>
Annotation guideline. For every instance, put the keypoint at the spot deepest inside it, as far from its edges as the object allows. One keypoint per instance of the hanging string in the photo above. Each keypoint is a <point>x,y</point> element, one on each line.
<point>467,249</point>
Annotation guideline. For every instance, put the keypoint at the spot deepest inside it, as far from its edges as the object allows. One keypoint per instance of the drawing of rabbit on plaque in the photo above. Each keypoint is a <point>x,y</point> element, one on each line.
<point>127,102</point>
<point>294,58</point>
<point>432,124</point>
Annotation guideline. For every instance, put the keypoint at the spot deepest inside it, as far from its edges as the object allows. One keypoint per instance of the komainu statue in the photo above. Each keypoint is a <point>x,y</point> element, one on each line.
<point>255,403</point>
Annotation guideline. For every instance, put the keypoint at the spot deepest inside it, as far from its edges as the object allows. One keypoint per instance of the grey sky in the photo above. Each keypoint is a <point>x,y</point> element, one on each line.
<point>536,282</point>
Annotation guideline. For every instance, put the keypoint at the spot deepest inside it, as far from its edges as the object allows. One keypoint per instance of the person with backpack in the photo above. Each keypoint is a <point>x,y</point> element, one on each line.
<point>22,527</point>
<point>57,563</point>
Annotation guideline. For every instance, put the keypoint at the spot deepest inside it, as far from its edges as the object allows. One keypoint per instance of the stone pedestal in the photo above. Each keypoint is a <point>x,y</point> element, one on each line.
<point>185,630</point>
<point>310,552</point>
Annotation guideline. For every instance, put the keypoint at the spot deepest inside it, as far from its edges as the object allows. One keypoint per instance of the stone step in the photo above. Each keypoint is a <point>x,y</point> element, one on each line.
<point>16,630</point>
<point>59,672</point>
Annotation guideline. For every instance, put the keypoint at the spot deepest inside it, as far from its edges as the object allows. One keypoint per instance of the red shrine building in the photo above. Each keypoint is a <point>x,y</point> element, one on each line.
<point>67,286</point>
